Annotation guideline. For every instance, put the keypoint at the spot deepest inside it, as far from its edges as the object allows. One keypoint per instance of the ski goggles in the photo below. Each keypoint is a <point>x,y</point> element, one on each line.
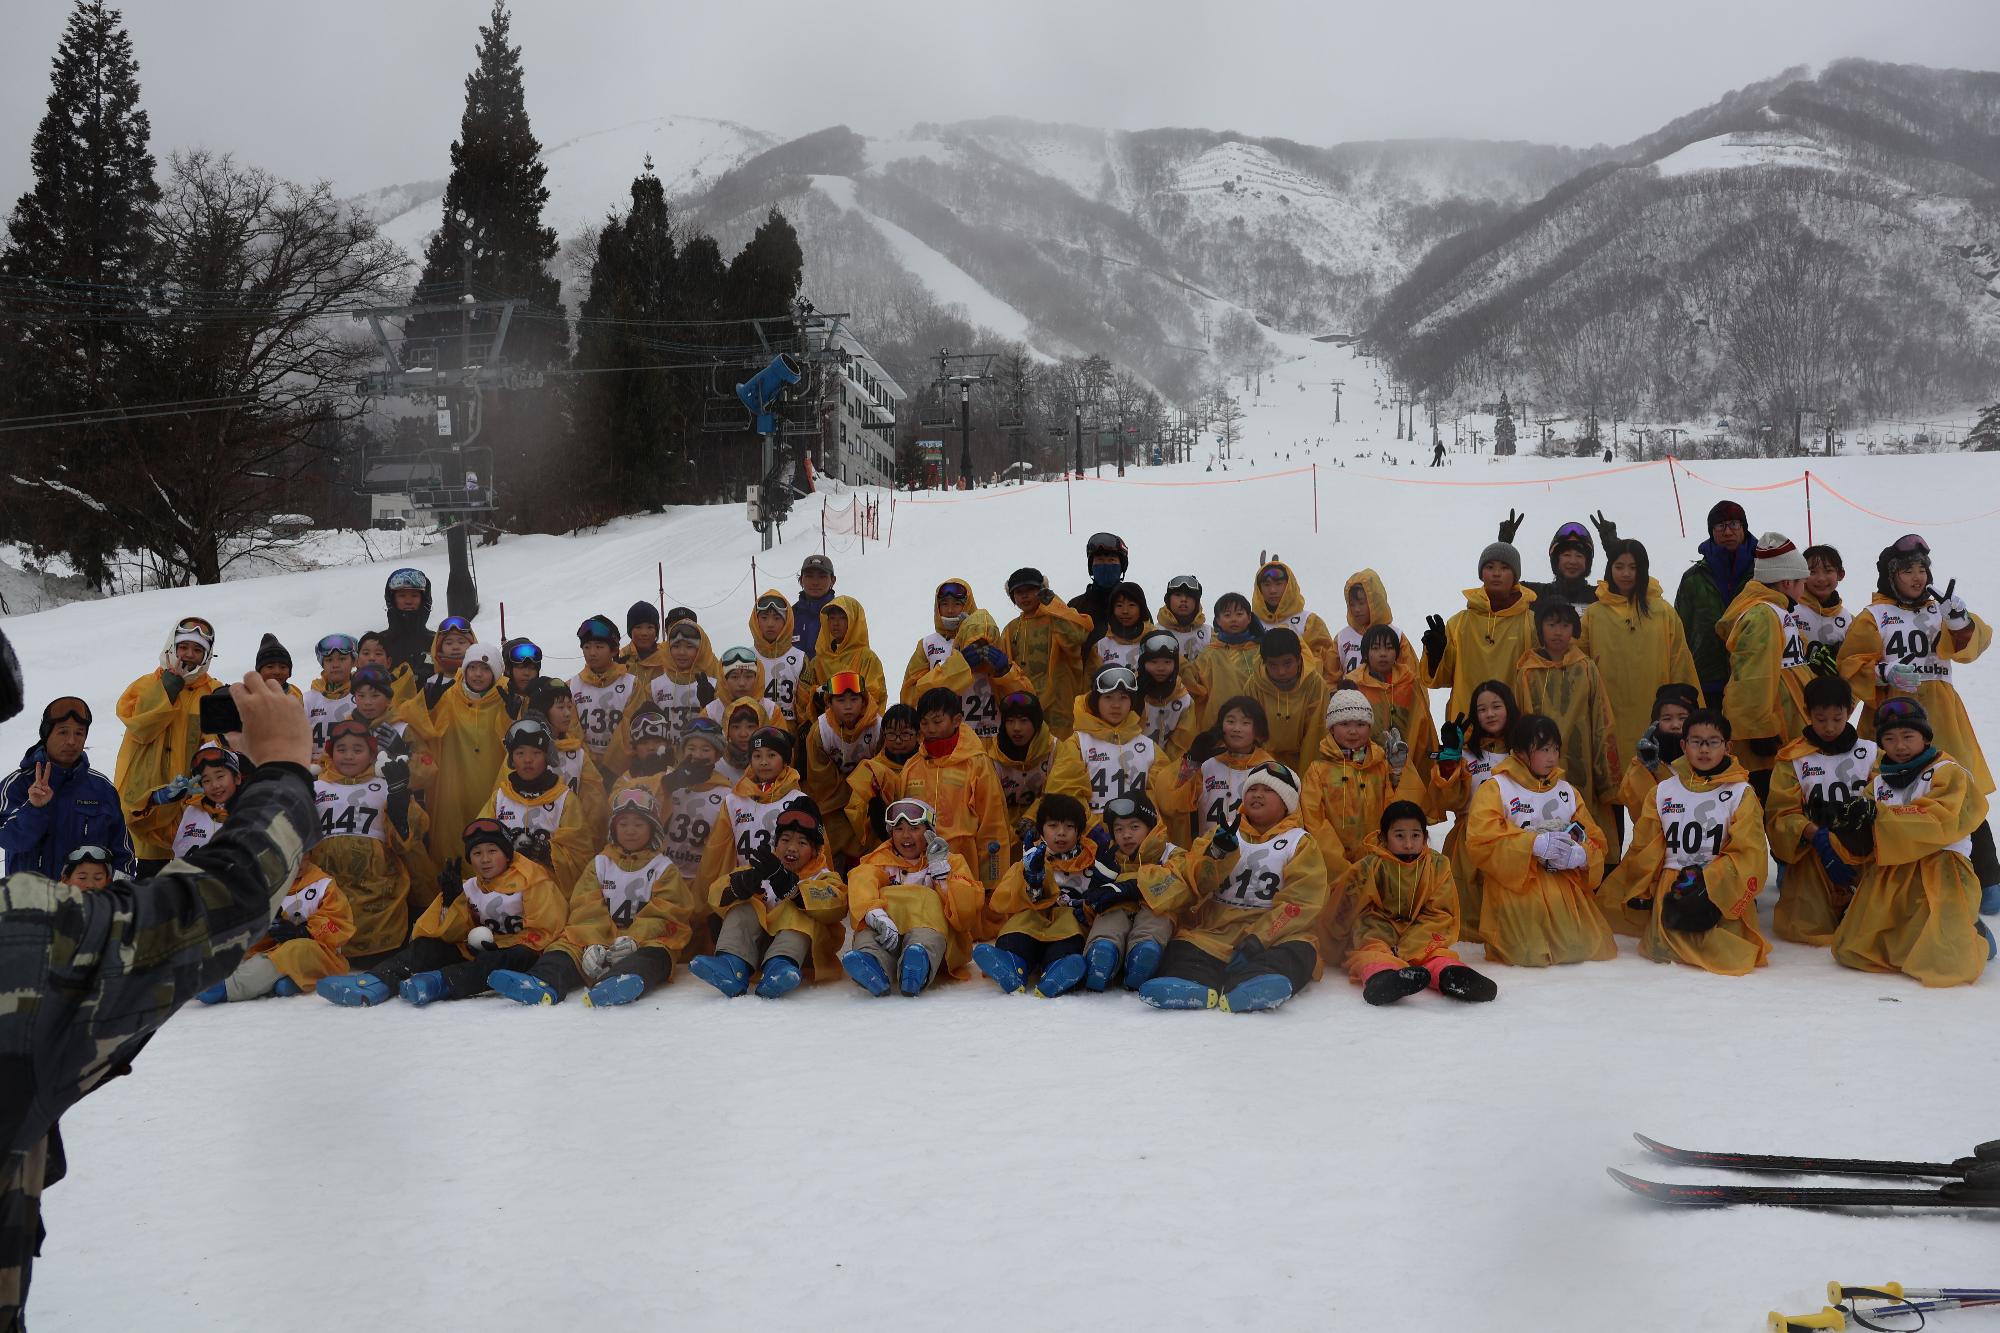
<point>845,682</point>
<point>909,810</point>
<point>1116,678</point>
<point>1278,771</point>
<point>523,652</point>
<point>597,629</point>
<point>336,643</point>
<point>194,627</point>
<point>956,591</point>
<point>529,731</point>
<point>702,729</point>
<point>90,854</point>
<point>1130,807</point>
<point>684,631</point>
<point>1910,544</point>
<point>1273,574</point>
<point>799,819</point>
<point>1019,699</point>
<point>1186,583</point>
<point>1104,543</point>
<point>350,726</point>
<point>1570,532</point>
<point>413,579</point>
<point>649,726</point>
<point>635,801</point>
<point>1899,712</point>
<point>738,657</point>
<point>773,602</point>
<point>69,708</point>
<point>214,756</point>
<point>454,625</point>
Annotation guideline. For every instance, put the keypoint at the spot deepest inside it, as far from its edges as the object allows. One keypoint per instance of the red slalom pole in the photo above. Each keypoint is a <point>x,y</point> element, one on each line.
<point>1315,497</point>
<point>1677,496</point>
<point>1069,505</point>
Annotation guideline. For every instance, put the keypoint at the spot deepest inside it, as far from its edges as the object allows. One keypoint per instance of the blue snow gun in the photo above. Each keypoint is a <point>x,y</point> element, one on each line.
<point>763,391</point>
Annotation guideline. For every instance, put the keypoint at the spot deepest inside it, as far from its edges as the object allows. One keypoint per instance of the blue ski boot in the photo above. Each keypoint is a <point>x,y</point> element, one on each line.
<point>724,971</point>
<point>522,988</point>
<point>865,972</point>
<point>1177,993</point>
<point>1100,964</point>
<point>915,972</point>
<point>781,977</point>
<point>1141,963</point>
<point>1060,977</point>
<point>286,988</point>
<point>422,989</point>
<point>621,989</point>
<point>356,990</point>
<point>1004,969</point>
<point>1264,992</point>
<point>1989,900</point>
<point>215,994</point>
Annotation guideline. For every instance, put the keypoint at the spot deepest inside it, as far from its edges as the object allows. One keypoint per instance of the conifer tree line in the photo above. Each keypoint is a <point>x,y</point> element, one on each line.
<point>181,363</point>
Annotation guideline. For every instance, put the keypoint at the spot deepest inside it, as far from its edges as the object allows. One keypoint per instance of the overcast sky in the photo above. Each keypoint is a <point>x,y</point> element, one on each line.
<point>368,92</point>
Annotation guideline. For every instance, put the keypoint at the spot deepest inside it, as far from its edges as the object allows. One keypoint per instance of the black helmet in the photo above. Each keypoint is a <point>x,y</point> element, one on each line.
<point>407,578</point>
<point>1107,543</point>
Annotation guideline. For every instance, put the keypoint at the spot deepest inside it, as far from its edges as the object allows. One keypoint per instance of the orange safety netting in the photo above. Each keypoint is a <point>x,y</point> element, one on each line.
<point>1819,483</point>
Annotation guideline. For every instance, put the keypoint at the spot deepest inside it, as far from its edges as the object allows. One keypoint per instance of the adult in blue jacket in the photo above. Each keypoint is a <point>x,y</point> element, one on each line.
<point>55,802</point>
<point>815,595</point>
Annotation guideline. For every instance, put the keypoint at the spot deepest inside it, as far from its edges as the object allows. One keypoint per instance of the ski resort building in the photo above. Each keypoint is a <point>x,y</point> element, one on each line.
<point>858,434</point>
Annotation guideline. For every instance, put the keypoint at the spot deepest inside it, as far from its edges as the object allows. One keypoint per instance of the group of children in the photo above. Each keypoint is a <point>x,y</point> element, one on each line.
<point>1208,810</point>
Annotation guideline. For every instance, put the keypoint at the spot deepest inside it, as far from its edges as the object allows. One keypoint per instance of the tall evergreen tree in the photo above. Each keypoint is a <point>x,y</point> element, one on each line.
<point>492,241</point>
<point>764,277</point>
<point>628,420</point>
<point>77,252</point>
<point>1503,428</point>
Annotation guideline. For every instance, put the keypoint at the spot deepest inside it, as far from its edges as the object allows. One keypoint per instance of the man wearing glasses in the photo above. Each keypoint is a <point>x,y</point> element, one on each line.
<point>55,802</point>
<point>1707,589</point>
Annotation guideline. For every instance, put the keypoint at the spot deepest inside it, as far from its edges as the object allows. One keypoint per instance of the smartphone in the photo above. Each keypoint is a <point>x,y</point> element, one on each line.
<point>1575,831</point>
<point>219,714</point>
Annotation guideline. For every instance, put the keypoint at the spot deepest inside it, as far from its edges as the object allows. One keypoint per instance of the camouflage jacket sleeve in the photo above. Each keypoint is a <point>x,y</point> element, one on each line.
<point>87,977</point>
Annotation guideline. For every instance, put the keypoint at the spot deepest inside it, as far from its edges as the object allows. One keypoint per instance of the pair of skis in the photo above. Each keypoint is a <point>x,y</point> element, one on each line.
<point>1969,1182</point>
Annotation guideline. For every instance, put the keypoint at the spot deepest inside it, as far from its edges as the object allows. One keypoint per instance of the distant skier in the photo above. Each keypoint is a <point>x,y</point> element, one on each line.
<point>1437,454</point>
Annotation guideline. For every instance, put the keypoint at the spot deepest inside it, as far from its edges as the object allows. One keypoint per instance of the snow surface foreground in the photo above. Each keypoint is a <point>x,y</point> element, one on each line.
<point>978,1161</point>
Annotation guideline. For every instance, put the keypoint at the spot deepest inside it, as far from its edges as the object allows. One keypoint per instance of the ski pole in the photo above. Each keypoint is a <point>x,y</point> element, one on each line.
<point>1807,1323</point>
<point>1897,1291</point>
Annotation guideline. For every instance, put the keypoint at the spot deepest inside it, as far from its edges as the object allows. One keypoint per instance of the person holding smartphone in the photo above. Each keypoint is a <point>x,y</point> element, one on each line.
<point>104,968</point>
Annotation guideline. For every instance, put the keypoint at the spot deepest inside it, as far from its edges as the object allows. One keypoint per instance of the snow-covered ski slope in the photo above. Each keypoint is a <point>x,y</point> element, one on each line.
<point>969,1160</point>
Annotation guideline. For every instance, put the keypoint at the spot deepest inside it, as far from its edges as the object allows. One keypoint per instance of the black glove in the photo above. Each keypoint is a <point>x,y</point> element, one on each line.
<point>1048,595</point>
<point>1207,744</point>
<point>1511,525</point>
<point>1026,832</point>
<point>1764,746</point>
<point>1434,641</point>
<point>533,844</point>
<point>1224,841</point>
<point>173,682</point>
<point>744,883</point>
<point>1648,748</point>
<point>451,880</point>
<point>434,691</point>
<point>782,882</point>
<point>396,769</point>
<point>878,811</point>
<point>704,691</point>
<point>1106,894</point>
<point>1823,660</point>
<point>399,807</point>
<point>1607,533</point>
<point>1687,907</point>
<point>1822,811</point>
<point>1451,739</point>
<point>283,928</point>
<point>516,704</point>
<point>1855,827</point>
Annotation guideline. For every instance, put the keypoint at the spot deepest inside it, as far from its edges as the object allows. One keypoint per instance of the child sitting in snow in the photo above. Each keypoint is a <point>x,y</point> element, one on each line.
<point>1040,901</point>
<point>502,915</point>
<point>629,914</point>
<point>1916,909</point>
<point>302,945</point>
<point>1023,752</point>
<point>1689,886</point>
<point>1126,934</point>
<point>1248,904</point>
<point>1405,913</point>
<point>1658,746</point>
<point>371,839</point>
<point>1540,854</point>
<point>914,904</point>
<point>783,909</point>
<point>1210,785</point>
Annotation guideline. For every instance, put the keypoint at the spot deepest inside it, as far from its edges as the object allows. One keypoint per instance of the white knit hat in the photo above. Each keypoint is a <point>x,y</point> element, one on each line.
<point>1349,706</point>
<point>1778,559</point>
<point>482,652</point>
<point>1278,779</point>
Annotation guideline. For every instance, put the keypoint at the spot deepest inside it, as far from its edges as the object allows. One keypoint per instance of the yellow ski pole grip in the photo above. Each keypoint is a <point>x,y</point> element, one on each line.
<point>1805,1323</point>
<point>1837,1291</point>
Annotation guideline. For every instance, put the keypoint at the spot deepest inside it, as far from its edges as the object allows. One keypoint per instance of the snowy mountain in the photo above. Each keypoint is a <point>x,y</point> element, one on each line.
<point>1861,201</point>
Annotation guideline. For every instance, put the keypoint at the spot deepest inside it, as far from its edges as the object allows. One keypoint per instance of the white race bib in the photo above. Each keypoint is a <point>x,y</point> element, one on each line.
<point>352,809</point>
<point>688,824</point>
<point>680,702</point>
<point>1548,811</point>
<point>626,892</point>
<point>1259,871</point>
<point>1834,777</point>
<point>1221,794</point>
<point>1696,823</point>
<point>299,905</point>
<point>498,912</point>
<point>1115,770</point>
<point>323,712</point>
<point>1916,791</point>
<point>197,826</point>
<point>600,709</point>
<point>533,816</point>
<point>1347,645</point>
<point>1910,639</point>
<point>781,681</point>
<point>753,823</point>
<point>848,755</point>
<point>1161,719</point>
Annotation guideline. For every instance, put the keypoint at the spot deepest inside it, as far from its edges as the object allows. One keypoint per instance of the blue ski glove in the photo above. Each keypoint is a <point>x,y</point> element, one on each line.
<point>1841,874</point>
<point>1032,863</point>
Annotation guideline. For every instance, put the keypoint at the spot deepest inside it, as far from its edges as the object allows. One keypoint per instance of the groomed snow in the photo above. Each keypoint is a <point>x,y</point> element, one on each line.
<point>1726,152</point>
<point>972,1161</point>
